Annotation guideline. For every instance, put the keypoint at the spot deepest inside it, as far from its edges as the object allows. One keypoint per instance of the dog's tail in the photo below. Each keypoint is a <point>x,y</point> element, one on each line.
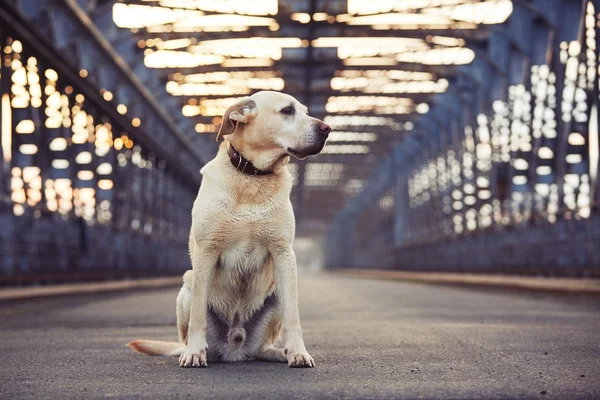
<point>157,347</point>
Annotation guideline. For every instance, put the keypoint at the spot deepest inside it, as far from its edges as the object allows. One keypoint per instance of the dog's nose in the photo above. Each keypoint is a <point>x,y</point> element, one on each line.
<point>324,128</point>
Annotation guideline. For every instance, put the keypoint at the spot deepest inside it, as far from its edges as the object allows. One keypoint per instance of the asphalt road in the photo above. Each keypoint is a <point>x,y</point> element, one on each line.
<point>370,339</point>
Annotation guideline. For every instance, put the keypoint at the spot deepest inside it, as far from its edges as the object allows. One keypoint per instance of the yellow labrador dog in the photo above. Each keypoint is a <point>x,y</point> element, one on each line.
<point>242,289</point>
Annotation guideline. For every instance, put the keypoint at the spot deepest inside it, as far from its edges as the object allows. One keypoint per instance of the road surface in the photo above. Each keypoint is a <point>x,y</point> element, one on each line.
<point>370,340</point>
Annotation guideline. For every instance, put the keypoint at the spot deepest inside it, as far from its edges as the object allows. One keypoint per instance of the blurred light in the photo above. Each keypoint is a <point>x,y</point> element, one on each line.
<point>243,62</point>
<point>369,61</point>
<point>51,75</point>
<point>180,59</point>
<point>28,149</point>
<point>85,175</point>
<point>104,169</point>
<point>432,13</point>
<point>174,44</point>
<point>118,143</point>
<point>228,87</point>
<point>386,85</point>
<point>136,122</point>
<point>519,180</point>
<point>375,104</point>
<point>320,16</point>
<point>345,149</point>
<point>122,109</point>
<point>24,127</point>
<point>545,153</point>
<point>520,164</point>
<point>85,157</point>
<point>543,170</point>
<point>337,121</point>
<point>60,164</point>
<point>6,124</point>
<point>105,184</point>
<point>17,46</point>
<point>423,108</point>
<point>181,20</point>
<point>576,139</point>
<point>58,144</point>
<point>439,56</point>
<point>303,18</point>
<point>338,136</point>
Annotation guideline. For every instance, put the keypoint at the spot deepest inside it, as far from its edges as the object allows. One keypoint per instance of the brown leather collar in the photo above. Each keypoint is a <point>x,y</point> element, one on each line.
<point>243,165</point>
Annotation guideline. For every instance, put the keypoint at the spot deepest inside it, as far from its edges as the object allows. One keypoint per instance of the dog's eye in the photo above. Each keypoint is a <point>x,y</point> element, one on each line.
<point>287,111</point>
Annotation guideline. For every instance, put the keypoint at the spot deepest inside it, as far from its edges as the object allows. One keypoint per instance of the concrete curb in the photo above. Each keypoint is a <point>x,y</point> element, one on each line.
<point>556,285</point>
<point>22,293</point>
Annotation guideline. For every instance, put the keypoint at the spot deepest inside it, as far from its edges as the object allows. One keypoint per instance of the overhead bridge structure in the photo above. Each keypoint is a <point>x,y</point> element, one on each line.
<point>465,131</point>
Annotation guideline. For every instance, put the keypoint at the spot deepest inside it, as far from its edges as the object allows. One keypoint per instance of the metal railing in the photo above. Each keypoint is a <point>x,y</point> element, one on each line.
<point>502,175</point>
<point>92,184</point>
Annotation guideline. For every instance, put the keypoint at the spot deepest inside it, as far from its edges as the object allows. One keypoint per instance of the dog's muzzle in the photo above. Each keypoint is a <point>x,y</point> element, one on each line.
<point>322,131</point>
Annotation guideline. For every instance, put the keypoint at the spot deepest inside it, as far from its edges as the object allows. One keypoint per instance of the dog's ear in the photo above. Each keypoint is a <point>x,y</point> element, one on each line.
<point>242,112</point>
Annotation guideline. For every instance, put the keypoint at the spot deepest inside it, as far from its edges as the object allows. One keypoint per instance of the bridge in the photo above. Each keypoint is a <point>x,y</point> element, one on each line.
<point>465,149</point>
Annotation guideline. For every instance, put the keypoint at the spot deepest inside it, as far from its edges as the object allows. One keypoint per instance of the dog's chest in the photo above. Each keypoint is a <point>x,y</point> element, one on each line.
<point>244,255</point>
<point>244,277</point>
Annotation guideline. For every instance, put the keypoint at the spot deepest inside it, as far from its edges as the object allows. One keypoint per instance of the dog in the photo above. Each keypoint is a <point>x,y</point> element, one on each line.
<point>242,290</point>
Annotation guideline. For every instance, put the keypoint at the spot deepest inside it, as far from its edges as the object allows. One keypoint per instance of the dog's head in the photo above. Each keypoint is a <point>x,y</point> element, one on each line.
<point>268,125</point>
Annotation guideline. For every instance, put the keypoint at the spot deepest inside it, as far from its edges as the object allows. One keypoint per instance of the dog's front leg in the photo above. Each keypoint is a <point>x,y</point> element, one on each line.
<point>197,347</point>
<point>287,288</point>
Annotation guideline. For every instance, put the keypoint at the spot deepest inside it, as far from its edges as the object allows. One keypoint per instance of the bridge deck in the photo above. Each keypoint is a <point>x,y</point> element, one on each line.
<point>370,339</point>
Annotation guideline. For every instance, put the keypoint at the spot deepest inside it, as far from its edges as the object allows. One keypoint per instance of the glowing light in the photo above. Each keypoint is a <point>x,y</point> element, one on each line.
<point>104,169</point>
<point>105,184</point>
<point>545,153</point>
<point>386,85</point>
<point>25,127</point>
<point>519,180</point>
<point>433,13</point>
<point>520,164</point>
<point>543,170</point>
<point>51,75</point>
<point>108,96</point>
<point>243,62</point>
<point>576,139</point>
<point>118,143</point>
<point>338,121</point>
<point>303,18</point>
<point>345,149</point>
<point>143,16</point>
<point>342,136</point>
<point>122,109</point>
<point>422,108</point>
<point>60,164</point>
<point>85,175</point>
<point>180,59</point>
<point>136,122</point>
<point>58,144</point>
<point>173,44</point>
<point>28,149</point>
<point>17,46</point>
<point>85,157</point>
<point>253,47</point>
<point>378,104</point>
<point>573,158</point>
<point>439,56</point>
<point>6,134</point>
<point>369,61</point>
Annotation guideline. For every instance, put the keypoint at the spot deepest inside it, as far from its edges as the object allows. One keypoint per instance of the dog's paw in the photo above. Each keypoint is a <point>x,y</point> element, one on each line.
<point>193,360</point>
<point>300,360</point>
